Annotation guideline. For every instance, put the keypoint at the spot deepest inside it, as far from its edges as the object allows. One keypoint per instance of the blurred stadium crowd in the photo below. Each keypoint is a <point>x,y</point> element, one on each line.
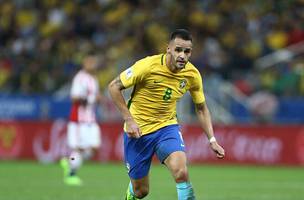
<point>42,42</point>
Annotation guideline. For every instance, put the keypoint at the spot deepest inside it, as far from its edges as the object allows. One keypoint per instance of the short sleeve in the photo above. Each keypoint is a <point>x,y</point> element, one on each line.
<point>136,73</point>
<point>196,89</point>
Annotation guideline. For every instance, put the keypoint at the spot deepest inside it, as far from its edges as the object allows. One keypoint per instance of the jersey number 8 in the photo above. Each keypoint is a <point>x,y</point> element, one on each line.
<point>167,95</point>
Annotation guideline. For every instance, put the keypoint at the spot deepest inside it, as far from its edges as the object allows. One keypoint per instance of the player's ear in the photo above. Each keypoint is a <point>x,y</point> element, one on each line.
<point>168,47</point>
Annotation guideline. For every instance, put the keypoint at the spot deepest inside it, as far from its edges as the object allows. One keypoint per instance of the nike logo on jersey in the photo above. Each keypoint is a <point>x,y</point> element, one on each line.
<point>182,145</point>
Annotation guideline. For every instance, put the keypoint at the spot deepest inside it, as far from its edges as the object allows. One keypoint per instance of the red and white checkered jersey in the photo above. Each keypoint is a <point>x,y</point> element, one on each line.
<point>84,86</point>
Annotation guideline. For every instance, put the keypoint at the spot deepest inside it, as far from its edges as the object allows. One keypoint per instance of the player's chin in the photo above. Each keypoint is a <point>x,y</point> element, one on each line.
<point>180,65</point>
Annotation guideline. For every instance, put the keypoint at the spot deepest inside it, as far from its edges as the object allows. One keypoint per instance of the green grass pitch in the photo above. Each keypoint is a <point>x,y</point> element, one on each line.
<point>33,181</point>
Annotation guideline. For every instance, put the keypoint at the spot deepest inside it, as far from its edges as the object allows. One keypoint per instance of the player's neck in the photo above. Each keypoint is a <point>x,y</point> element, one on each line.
<point>91,72</point>
<point>169,64</point>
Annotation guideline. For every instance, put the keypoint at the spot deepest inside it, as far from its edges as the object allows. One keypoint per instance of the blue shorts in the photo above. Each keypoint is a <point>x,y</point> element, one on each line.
<point>139,152</point>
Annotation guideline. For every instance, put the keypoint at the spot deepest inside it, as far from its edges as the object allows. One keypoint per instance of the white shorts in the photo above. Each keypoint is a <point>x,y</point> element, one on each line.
<point>83,135</point>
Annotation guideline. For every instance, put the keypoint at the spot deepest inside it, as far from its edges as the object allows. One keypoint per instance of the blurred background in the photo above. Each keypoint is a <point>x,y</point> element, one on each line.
<point>251,56</point>
<point>249,52</point>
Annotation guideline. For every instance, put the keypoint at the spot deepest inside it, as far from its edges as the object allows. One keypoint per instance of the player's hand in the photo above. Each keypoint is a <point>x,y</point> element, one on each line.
<point>133,129</point>
<point>220,152</point>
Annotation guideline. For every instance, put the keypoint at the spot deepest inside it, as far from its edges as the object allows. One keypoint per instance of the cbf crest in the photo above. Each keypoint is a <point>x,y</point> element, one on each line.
<point>182,83</point>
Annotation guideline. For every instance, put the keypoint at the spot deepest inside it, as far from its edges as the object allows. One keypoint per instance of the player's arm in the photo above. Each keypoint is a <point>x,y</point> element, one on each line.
<point>79,92</point>
<point>79,100</point>
<point>204,119</point>
<point>115,89</point>
<point>203,113</point>
<point>85,100</point>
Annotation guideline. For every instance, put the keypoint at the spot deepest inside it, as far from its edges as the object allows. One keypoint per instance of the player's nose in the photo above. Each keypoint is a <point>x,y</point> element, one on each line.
<point>182,55</point>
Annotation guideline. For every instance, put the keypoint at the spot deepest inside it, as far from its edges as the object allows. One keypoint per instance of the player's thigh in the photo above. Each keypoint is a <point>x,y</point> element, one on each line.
<point>89,136</point>
<point>93,136</point>
<point>170,141</point>
<point>73,135</point>
<point>138,153</point>
<point>171,151</point>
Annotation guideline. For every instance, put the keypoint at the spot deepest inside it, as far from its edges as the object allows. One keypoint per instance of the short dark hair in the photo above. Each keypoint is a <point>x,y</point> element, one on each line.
<point>181,33</point>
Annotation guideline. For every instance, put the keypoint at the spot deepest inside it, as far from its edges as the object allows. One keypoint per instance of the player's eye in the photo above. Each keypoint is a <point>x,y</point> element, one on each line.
<point>178,49</point>
<point>187,51</point>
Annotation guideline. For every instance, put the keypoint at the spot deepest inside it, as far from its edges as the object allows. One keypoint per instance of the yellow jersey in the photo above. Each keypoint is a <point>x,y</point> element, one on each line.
<point>156,91</point>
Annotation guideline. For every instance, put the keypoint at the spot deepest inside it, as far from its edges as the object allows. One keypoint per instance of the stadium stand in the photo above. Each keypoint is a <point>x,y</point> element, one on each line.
<point>42,43</point>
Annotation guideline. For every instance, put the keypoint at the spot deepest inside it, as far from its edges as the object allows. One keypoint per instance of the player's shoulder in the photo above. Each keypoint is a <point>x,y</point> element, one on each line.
<point>79,74</point>
<point>190,68</point>
<point>147,64</point>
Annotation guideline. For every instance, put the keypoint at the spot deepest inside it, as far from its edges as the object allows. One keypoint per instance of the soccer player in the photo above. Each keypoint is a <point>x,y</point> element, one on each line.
<point>151,124</point>
<point>83,133</point>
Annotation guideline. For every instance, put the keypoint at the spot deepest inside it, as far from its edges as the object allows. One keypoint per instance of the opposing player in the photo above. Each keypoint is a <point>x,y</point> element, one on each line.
<point>83,133</point>
<point>151,124</point>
